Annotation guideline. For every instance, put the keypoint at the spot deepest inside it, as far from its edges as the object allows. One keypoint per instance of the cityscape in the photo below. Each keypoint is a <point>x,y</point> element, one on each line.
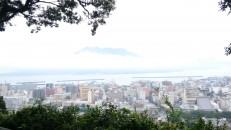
<point>211,94</point>
<point>115,65</point>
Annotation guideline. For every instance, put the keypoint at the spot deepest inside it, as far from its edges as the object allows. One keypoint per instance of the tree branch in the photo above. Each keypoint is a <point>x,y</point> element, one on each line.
<point>86,3</point>
<point>8,17</point>
<point>5,11</point>
<point>26,15</point>
<point>84,6</point>
<point>45,2</point>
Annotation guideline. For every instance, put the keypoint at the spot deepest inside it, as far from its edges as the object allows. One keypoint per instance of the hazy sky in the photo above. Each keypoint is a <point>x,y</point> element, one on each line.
<point>160,34</point>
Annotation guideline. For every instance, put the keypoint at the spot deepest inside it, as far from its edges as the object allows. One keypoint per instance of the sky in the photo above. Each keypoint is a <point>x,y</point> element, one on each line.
<point>148,35</point>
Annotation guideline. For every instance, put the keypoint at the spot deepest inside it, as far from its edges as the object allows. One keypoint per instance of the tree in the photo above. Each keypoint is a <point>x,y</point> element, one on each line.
<point>40,13</point>
<point>224,6</point>
<point>228,50</point>
<point>40,117</point>
<point>2,105</point>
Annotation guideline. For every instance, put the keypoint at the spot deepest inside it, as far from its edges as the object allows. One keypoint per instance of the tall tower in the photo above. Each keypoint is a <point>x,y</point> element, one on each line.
<point>91,96</point>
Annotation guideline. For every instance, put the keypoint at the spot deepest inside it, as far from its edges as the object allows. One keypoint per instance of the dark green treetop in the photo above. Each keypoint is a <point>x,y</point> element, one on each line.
<point>49,13</point>
<point>2,105</point>
<point>40,117</point>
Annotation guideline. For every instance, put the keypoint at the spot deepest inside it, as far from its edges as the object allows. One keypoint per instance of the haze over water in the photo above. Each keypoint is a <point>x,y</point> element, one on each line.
<point>121,79</point>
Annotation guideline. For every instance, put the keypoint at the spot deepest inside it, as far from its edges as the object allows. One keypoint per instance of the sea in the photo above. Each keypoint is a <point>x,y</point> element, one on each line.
<point>120,79</point>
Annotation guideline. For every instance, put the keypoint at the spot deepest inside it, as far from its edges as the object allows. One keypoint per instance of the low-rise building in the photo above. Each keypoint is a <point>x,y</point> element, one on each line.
<point>204,104</point>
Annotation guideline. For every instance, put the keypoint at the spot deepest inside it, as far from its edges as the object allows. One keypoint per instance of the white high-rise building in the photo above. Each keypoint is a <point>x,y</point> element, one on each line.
<point>90,95</point>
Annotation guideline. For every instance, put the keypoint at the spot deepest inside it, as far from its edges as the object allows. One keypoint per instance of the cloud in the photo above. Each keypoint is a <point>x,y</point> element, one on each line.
<point>107,51</point>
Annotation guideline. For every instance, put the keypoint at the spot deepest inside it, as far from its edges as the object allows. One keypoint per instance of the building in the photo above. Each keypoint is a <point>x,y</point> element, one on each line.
<point>49,85</point>
<point>190,95</point>
<point>71,88</point>
<point>91,97</point>
<point>27,86</point>
<point>84,92</point>
<point>50,90</point>
<point>141,95</point>
<point>3,90</point>
<point>225,103</point>
<point>115,96</point>
<point>39,94</point>
<point>204,104</point>
<point>215,121</point>
<point>13,103</point>
<point>62,96</point>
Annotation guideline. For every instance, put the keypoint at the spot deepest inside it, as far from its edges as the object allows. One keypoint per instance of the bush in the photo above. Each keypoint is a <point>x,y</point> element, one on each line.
<point>39,117</point>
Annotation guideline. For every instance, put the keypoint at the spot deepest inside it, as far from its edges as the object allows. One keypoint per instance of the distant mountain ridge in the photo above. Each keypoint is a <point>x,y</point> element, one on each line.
<point>107,51</point>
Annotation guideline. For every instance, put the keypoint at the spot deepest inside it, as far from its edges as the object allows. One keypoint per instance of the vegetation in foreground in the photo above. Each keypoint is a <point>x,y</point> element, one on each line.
<point>195,115</point>
<point>47,13</point>
<point>40,117</point>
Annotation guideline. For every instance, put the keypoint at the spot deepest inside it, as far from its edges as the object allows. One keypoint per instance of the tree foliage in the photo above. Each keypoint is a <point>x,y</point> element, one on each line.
<point>228,50</point>
<point>225,5</point>
<point>197,114</point>
<point>2,105</point>
<point>40,117</point>
<point>40,13</point>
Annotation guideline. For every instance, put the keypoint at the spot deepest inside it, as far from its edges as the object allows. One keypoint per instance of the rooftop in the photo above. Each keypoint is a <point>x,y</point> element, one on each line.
<point>204,103</point>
